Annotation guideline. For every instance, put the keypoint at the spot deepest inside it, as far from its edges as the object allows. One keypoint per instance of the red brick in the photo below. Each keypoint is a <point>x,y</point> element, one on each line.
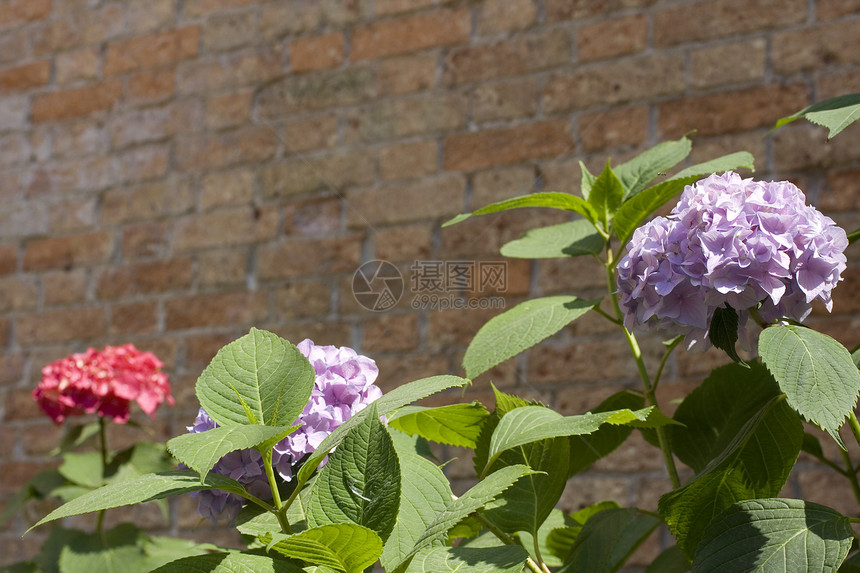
<point>730,111</point>
<point>302,299</point>
<point>411,242</point>
<point>230,71</point>
<point>318,216</point>
<point>8,259</point>
<point>145,240</point>
<point>710,19</point>
<point>515,56</point>
<point>390,333</point>
<point>804,146</point>
<point>223,267</point>
<point>836,8</point>
<point>85,174</point>
<point>225,227</point>
<point>815,48</point>
<point>195,8</point>
<point>406,74</point>
<point>20,11</point>
<point>317,91</point>
<point>390,7</point>
<point>133,318</point>
<point>229,110</point>
<point>424,199</point>
<point>498,16</point>
<point>500,184</point>
<point>229,31</point>
<point>79,29</point>
<point>25,77</point>
<point>614,128</point>
<point>64,287</point>
<point>483,236</point>
<point>245,145</point>
<point>509,99</point>
<point>14,45</point>
<point>145,278</point>
<point>842,192</point>
<point>17,293</point>
<point>557,10</point>
<point>418,115</point>
<point>278,19</point>
<point>146,201</point>
<point>80,64</point>
<point>227,189</point>
<point>154,123</point>
<point>153,50</point>
<point>150,86</point>
<point>60,326</point>
<point>627,79</point>
<point>411,33</point>
<point>737,62</point>
<point>409,160</point>
<point>66,252</point>
<point>223,309</point>
<point>70,215</point>
<point>610,38</point>
<point>316,52</point>
<point>300,257</point>
<point>144,162</point>
<point>77,102</point>
<point>14,149</point>
<point>471,151</point>
<point>149,15</point>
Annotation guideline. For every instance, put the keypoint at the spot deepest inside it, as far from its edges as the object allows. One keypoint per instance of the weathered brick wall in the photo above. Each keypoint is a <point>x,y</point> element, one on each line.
<point>173,172</point>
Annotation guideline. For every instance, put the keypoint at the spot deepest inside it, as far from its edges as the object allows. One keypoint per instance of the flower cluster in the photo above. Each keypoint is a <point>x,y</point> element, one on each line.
<point>730,241</point>
<point>343,385</point>
<point>103,382</point>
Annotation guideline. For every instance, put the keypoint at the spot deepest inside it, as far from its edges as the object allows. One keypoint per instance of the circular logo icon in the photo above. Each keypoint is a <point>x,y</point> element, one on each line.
<point>377,285</point>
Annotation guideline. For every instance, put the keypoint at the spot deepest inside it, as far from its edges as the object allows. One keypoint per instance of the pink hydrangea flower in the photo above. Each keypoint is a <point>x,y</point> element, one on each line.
<point>104,383</point>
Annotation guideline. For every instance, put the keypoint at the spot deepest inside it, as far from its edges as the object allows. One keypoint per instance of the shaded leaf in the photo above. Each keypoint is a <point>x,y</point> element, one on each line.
<point>607,539</point>
<point>233,562</point>
<point>606,194</point>
<point>570,239</point>
<point>498,559</point>
<point>835,114</point>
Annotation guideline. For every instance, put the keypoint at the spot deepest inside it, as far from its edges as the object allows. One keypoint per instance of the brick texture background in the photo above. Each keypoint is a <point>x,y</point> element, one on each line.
<point>173,172</point>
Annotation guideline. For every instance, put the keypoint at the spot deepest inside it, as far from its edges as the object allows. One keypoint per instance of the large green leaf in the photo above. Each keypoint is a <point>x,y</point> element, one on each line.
<point>587,181</point>
<point>754,462</point>
<point>775,536</point>
<point>424,493</point>
<point>498,559</point>
<point>587,449</point>
<point>816,373</point>
<point>607,539</point>
<point>83,469</point>
<point>233,562</point>
<point>201,451</point>
<point>116,550</point>
<point>520,328</point>
<point>606,194</point>
<point>560,541</point>
<point>454,424</point>
<point>504,404</point>
<point>387,403</point>
<point>145,488</point>
<point>344,546</point>
<point>361,481</point>
<point>635,210</point>
<point>835,114</point>
<point>474,499</point>
<point>258,379</point>
<point>553,199</point>
<point>637,173</point>
<point>672,560</point>
<point>570,239</point>
<point>532,423</point>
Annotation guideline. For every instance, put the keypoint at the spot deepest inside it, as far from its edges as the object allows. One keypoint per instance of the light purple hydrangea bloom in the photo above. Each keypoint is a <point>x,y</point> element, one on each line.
<point>730,241</point>
<point>344,384</point>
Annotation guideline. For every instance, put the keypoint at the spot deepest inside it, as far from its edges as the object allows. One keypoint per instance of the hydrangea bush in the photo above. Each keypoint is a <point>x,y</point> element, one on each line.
<point>321,472</point>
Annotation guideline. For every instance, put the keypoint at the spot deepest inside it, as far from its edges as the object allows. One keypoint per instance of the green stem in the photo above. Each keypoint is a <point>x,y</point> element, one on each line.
<point>606,315</point>
<point>662,437</point>
<point>854,425</point>
<point>507,540</point>
<point>279,509</point>
<point>851,474</point>
<point>672,345</point>
<point>104,454</point>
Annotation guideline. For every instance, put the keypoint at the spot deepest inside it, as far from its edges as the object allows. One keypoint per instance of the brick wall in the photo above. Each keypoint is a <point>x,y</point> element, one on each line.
<point>173,172</point>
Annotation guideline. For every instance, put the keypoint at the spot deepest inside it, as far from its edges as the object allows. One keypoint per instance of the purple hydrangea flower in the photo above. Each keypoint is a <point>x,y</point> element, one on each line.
<point>343,385</point>
<point>730,241</point>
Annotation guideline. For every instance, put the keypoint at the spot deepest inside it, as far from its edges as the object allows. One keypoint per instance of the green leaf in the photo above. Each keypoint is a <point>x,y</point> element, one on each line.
<point>607,539</point>
<point>504,404</point>
<point>76,436</point>
<point>606,194</point>
<point>723,332</point>
<point>520,328</point>
<point>498,559</point>
<point>258,379</point>
<point>532,423</point>
<point>851,565</point>
<point>361,481</point>
<point>835,114</point>
<point>560,540</point>
<point>570,239</point>
<point>637,173</point>
<point>233,562</point>
<point>424,493</point>
<point>201,451</point>
<point>816,373</point>
<point>455,424</point>
<point>146,488</point>
<point>474,499</point>
<point>743,469</point>
<point>671,560</point>
<point>116,550</point>
<point>40,486</point>
<point>635,210</point>
<point>553,200</point>
<point>587,449</point>
<point>587,181</point>
<point>387,403</point>
<point>526,504</point>
<point>83,469</point>
<point>556,519</point>
<point>140,459</point>
<point>852,237</point>
<point>775,535</point>
<point>343,546</point>
<point>161,550</point>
